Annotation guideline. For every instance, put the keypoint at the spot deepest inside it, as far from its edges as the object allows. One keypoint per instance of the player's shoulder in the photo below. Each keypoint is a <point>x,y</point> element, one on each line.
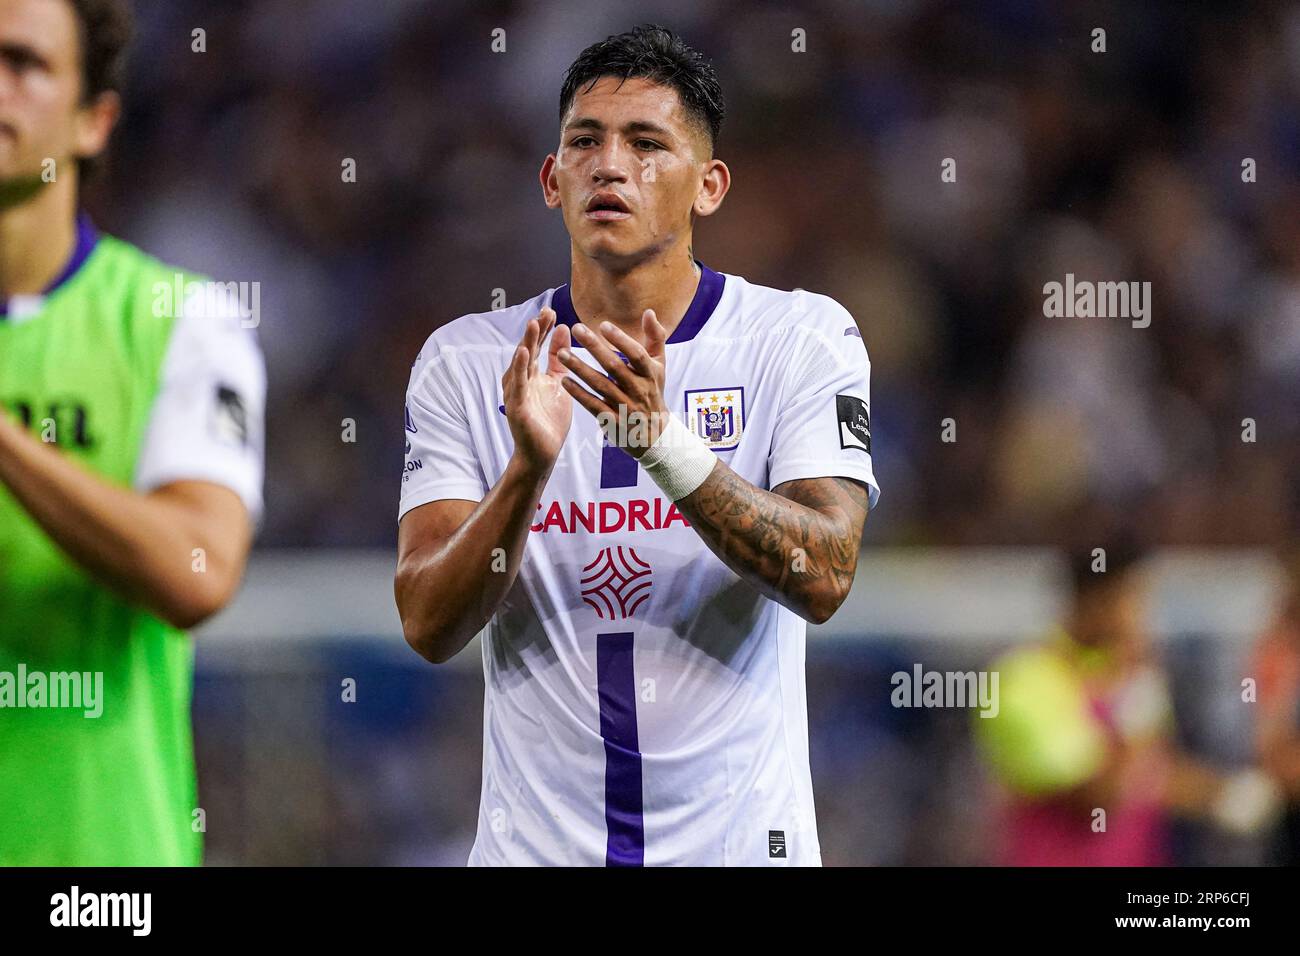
<point>756,309</point>
<point>156,304</point>
<point>215,315</point>
<point>151,288</point>
<point>135,267</point>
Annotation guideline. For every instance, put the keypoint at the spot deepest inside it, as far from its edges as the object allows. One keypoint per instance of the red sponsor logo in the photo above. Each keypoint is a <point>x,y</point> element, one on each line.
<point>607,517</point>
<point>616,583</point>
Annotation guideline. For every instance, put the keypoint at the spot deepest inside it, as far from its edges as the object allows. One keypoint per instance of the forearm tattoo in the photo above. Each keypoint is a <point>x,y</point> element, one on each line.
<point>797,543</point>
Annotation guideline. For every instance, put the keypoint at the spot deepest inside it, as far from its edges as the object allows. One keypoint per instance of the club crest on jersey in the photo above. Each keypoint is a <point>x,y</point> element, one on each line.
<point>716,415</point>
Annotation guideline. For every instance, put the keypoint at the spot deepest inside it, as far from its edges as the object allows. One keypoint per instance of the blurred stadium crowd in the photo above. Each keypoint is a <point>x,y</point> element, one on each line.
<point>1123,165</point>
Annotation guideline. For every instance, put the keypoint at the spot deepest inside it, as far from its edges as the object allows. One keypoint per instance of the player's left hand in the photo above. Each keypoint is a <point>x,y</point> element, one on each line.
<point>628,401</point>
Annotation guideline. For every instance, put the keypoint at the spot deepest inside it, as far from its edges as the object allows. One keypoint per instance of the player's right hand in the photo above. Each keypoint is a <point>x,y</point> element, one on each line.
<point>538,408</point>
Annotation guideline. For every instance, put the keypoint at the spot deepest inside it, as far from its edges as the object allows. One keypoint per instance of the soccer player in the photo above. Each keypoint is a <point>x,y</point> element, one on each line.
<point>645,562</point>
<point>130,474</point>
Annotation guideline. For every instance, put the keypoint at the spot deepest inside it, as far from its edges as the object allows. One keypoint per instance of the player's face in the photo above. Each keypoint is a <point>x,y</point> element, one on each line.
<point>1113,616</point>
<point>42,116</point>
<point>630,170</point>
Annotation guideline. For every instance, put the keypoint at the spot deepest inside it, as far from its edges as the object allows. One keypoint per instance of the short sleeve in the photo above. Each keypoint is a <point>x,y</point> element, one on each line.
<point>823,427</point>
<point>207,420</point>
<point>441,461</point>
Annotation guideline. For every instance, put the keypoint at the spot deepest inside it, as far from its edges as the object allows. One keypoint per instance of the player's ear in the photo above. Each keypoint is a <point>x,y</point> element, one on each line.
<point>95,122</point>
<point>550,187</point>
<point>713,188</point>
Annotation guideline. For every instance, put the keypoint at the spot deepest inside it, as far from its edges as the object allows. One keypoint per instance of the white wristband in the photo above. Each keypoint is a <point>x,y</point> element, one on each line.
<point>678,461</point>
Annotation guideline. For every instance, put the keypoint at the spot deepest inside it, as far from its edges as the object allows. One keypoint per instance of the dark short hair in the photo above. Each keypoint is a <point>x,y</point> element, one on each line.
<point>1124,553</point>
<point>105,28</point>
<point>656,54</point>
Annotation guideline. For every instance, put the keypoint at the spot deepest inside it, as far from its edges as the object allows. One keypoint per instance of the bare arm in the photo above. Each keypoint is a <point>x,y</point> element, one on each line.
<point>140,545</point>
<point>1279,754</point>
<point>1189,788</point>
<point>448,584</point>
<point>797,544</point>
<point>1277,741</point>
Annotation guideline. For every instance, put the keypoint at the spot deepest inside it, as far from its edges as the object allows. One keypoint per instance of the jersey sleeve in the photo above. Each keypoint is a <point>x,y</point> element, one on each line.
<point>440,458</point>
<point>207,420</point>
<point>823,427</point>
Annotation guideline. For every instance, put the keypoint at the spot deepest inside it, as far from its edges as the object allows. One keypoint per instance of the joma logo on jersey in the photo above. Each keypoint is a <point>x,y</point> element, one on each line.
<point>63,423</point>
<point>716,415</point>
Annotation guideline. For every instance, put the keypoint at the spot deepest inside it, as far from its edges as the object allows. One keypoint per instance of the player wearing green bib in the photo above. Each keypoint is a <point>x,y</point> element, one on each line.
<point>130,475</point>
<point>1085,724</point>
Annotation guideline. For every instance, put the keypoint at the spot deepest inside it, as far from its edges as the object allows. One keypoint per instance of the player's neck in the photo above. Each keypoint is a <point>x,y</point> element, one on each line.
<point>666,284</point>
<point>37,237</point>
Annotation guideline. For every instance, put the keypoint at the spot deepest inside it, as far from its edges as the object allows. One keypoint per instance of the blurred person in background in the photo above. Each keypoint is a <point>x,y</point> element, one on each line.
<point>1085,724</point>
<point>1277,730</point>
<point>130,474</point>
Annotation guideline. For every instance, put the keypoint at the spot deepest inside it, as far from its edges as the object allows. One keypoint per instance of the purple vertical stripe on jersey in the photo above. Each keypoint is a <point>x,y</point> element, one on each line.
<point>707,295</point>
<point>616,688</point>
<point>87,239</point>
<point>618,469</point>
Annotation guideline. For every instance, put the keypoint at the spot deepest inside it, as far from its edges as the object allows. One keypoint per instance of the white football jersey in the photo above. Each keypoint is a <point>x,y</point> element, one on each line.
<point>643,704</point>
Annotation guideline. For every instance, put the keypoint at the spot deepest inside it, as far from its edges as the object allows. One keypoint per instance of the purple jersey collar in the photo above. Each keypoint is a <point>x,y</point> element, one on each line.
<point>707,295</point>
<point>87,239</point>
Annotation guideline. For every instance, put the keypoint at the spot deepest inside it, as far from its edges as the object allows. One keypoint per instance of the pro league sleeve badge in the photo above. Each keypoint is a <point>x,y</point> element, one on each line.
<point>855,422</point>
